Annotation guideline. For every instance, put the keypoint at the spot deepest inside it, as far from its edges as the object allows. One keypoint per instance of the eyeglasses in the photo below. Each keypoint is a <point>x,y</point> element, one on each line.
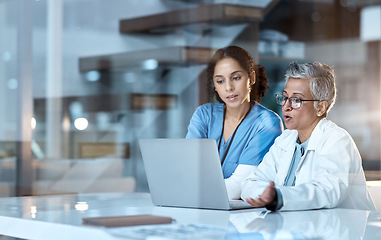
<point>296,103</point>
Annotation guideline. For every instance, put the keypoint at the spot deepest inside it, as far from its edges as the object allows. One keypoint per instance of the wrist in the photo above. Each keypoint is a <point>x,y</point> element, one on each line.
<point>272,206</point>
<point>277,202</point>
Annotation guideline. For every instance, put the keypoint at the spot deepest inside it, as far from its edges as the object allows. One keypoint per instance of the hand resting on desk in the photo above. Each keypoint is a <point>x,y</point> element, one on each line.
<point>267,198</point>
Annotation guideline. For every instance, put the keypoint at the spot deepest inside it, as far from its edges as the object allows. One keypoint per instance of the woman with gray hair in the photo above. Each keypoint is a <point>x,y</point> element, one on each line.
<point>314,163</point>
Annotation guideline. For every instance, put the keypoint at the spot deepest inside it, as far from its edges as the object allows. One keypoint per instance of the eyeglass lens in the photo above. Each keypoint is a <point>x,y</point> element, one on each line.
<point>295,102</point>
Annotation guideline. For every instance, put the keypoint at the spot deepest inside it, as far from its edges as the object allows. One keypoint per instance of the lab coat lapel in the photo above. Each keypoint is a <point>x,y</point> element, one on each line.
<point>312,143</point>
<point>287,147</point>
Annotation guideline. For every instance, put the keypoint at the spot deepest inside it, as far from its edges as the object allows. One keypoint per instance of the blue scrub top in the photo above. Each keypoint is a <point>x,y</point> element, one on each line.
<point>253,138</point>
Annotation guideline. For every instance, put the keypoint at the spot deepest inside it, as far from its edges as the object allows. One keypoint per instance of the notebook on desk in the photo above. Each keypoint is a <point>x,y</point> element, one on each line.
<point>186,173</point>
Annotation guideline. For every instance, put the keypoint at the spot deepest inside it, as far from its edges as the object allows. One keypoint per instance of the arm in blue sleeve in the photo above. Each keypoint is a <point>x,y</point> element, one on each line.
<point>261,141</point>
<point>198,125</point>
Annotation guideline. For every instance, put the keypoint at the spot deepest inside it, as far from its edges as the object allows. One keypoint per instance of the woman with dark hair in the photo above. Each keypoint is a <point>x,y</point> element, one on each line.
<point>244,130</point>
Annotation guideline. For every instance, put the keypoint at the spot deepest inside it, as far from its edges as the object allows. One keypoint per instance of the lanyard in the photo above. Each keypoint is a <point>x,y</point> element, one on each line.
<point>232,137</point>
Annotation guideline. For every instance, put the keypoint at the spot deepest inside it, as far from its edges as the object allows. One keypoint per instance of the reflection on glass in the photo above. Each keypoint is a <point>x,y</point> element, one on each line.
<point>370,23</point>
<point>76,109</point>
<point>6,56</point>
<point>81,206</point>
<point>93,76</point>
<point>318,224</point>
<point>13,83</point>
<point>66,123</point>
<point>33,123</point>
<point>33,211</point>
<point>81,123</point>
<point>150,64</point>
<point>373,183</point>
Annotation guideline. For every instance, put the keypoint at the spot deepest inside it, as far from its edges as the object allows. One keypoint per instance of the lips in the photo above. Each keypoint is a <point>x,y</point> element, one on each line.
<point>287,118</point>
<point>232,97</point>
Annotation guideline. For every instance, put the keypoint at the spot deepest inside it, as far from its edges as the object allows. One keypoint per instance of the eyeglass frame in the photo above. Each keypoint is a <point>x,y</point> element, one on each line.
<point>290,99</point>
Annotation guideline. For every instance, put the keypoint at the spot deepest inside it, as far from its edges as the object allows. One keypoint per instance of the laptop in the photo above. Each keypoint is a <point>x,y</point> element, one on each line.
<point>186,173</point>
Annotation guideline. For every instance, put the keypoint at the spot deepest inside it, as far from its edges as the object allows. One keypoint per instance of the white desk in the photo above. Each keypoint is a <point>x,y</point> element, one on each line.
<point>60,217</point>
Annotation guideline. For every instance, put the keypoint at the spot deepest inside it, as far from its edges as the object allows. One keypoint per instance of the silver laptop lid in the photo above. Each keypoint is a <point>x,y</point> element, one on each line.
<point>184,173</point>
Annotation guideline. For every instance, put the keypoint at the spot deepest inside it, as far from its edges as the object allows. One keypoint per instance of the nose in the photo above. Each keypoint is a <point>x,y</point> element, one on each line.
<point>229,86</point>
<point>287,105</point>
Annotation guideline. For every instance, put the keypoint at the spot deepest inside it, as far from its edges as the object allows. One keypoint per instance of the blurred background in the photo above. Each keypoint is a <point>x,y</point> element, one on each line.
<point>82,81</point>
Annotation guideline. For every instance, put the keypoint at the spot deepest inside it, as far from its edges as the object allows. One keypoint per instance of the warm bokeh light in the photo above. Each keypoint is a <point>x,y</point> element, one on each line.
<point>33,123</point>
<point>66,123</point>
<point>81,123</point>
<point>373,183</point>
<point>33,211</point>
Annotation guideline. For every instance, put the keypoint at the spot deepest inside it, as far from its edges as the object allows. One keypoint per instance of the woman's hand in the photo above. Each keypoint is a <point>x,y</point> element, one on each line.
<point>268,197</point>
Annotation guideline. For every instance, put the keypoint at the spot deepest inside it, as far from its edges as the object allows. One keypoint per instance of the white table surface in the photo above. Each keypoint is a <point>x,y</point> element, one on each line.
<point>60,217</point>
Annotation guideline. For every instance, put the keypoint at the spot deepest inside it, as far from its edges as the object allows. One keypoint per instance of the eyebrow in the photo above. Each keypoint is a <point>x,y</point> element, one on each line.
<point>235,72</point>
<point>295,93</point>
<point>230,74</point>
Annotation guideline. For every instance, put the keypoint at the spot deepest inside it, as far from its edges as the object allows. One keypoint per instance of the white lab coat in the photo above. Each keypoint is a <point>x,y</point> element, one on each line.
<point>329,174</point>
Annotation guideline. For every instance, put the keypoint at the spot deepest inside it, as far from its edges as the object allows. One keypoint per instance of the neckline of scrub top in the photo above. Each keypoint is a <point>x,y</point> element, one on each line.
<point>232,137</point>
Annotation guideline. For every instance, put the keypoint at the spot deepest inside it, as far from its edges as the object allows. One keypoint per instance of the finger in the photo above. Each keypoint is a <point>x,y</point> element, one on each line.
<point>260,201</point>
<point>269,194</point>
<point>255,202</point>
<point>251,201</point>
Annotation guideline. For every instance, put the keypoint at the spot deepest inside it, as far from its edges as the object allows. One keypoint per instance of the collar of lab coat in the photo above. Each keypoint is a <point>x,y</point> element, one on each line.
<point>314,138</point>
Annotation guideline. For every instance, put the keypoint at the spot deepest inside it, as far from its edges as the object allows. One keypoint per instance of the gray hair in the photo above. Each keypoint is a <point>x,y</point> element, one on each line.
<point>321,77</point>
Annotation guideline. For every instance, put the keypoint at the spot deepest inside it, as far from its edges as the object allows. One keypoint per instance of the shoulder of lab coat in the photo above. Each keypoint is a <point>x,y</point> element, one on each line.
<point>330,173</point>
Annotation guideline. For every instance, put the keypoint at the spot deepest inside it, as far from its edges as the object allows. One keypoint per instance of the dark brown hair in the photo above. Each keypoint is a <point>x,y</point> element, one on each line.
<point>256,72</point>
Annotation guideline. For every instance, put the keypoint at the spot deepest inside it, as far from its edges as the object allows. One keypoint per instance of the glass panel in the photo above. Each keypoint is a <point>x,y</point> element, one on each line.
<point>95,90</point>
